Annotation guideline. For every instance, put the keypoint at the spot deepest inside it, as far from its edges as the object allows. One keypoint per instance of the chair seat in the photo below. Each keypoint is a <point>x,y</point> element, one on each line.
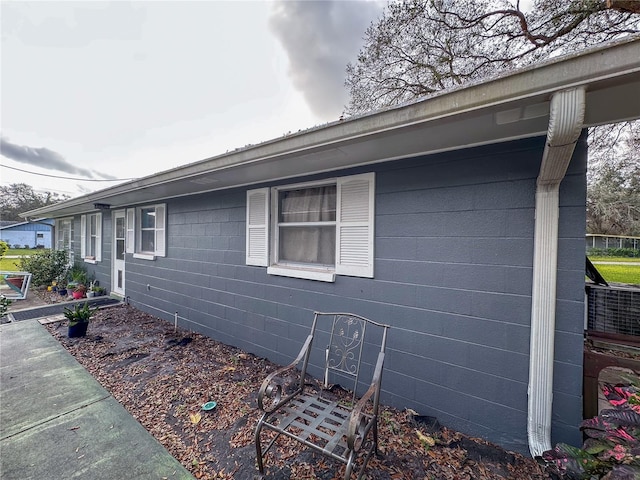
<point>318,422</point>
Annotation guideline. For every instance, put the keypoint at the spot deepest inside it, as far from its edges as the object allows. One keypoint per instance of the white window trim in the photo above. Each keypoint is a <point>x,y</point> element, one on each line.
<point>144,256</point>
<point>300,272</point>
<point>351,223</point>
<point>85,238</point>
<point>133,239</point>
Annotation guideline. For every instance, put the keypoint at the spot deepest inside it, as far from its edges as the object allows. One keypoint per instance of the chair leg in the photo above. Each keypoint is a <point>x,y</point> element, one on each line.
<point>350,464</point>
<point>259,447</point>
<point>375,438</point>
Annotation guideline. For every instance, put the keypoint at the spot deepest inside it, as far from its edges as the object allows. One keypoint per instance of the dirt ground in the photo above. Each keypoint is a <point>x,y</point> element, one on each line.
<point>163,377</point>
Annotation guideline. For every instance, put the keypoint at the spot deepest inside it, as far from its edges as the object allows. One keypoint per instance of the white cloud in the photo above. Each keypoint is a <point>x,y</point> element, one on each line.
<point>129,89</point>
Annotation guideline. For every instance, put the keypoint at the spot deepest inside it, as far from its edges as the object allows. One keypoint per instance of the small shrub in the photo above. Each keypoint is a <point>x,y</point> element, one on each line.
<point>3,248</point>
<point>613,252</point>
<point>17,245</point>
<point>4,305</point>
<point>45,266</point>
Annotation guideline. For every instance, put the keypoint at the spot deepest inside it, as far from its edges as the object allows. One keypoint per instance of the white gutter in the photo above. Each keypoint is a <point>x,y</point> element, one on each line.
<point>565,124</point>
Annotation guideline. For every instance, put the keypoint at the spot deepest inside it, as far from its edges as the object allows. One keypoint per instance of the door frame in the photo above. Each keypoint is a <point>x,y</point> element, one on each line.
<point>118,264</point>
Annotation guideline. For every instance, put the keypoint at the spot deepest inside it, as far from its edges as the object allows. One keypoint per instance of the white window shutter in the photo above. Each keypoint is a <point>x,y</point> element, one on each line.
<point>257,243</point>
<point>59,235</point>
<point>131,237</point>
<point>354,225</point>
<point>83,236</point>
<point>161,231</point>
<point>99,237</point>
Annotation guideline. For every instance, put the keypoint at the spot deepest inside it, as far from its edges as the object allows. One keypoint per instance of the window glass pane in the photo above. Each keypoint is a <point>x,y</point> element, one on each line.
<point>317,204</point>
<point>120,248</point>
<point>92,246</point>
<point>147,240</point>
<point>93,224</point>
<point>148,217</point>
<point>120,227</point>
<point>315,245</point>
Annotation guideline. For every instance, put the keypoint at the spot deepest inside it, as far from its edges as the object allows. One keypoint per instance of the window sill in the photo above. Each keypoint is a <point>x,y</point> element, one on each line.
<point>307,274</point>
<point>144,256</point>
<point>90,260</point>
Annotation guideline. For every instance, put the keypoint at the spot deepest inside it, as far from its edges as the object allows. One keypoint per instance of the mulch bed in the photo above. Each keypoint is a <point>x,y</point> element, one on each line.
<point>162,377</point>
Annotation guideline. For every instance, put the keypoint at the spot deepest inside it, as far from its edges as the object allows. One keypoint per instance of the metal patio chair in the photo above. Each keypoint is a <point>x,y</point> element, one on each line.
<point>316,417</point>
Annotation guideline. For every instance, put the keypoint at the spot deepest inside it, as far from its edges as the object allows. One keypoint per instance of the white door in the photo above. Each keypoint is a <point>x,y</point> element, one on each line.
<point>119,232</point>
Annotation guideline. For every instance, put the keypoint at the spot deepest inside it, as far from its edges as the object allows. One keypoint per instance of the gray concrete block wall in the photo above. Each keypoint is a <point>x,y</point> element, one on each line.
<point>453,266</point>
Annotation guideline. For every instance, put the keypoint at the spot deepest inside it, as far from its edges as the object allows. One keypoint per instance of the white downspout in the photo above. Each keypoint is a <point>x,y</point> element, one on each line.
<point>565,124</point>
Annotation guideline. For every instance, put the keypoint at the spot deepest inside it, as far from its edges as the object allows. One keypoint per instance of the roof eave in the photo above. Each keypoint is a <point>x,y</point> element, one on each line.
<point>613,65</point>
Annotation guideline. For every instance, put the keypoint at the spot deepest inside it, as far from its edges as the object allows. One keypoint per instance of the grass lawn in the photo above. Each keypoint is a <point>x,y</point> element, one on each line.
<point>618,273</point>
<point>614,259</point>
<point>24,251</point>
<point>9,264</point>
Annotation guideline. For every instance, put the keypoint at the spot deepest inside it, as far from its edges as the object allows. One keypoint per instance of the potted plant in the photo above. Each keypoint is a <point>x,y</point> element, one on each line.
<point>79,291</point>
<point>62,288</point>
<point>79,319</point>
<point>94,290</point>
<point>78,275</point>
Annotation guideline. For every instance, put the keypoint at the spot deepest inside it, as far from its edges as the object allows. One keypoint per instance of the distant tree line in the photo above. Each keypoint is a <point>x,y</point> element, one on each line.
<point>18,198</point>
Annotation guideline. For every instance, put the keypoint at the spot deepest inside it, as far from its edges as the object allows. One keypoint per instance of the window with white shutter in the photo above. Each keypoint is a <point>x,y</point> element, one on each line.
<point>316,231</point>
<point>149,236</point>
<point>64,237</point>
<point>91,237</point>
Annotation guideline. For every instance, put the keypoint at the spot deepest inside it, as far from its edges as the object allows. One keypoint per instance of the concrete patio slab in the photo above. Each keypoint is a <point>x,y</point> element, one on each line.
<point>57,422</point>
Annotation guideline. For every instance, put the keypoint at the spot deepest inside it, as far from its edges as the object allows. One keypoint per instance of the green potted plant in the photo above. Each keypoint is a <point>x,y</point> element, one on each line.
<point>79,319</point>
<point>94,290</point>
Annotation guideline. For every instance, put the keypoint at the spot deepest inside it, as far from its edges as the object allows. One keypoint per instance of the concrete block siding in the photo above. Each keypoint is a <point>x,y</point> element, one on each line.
<point>453,268</point>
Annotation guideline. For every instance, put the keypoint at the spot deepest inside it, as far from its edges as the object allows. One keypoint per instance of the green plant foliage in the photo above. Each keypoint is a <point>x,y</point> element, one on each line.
<point>45,266</point>
<point>3,248</point>
<point>4,305</point>
<point>79,314</point>
<point>78,275</point>
<point>613,252</point>
<point>612,447</point>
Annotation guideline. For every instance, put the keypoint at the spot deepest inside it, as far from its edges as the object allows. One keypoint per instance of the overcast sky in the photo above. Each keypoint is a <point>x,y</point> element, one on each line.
<point>115,90</point>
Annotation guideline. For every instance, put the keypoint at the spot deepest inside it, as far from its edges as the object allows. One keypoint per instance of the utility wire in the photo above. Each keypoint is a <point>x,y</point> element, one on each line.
<point>69,178</point>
